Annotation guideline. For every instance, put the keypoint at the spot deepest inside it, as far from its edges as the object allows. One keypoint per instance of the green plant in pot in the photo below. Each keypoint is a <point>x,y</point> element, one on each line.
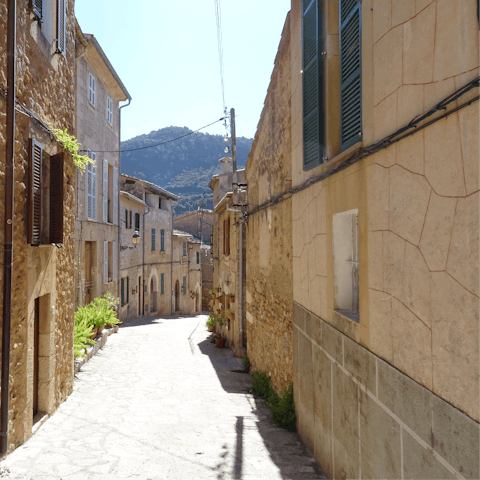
<point>220,341</point>
<point>211,323</point>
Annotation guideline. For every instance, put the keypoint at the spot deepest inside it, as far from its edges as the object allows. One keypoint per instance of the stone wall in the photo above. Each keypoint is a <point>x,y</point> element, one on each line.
<point>363,418</point>
<point>190,222</point>
<point>269,233</point>
<point>45,85</point>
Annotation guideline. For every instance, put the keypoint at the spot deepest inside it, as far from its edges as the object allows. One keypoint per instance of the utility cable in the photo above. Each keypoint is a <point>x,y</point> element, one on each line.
<point>385,142</point>
<point>157,144</point>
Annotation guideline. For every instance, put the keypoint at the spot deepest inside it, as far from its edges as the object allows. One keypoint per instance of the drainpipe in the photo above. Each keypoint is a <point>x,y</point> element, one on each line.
<point>119,178</point>
<point>8,226</point>
<point>240,274</point>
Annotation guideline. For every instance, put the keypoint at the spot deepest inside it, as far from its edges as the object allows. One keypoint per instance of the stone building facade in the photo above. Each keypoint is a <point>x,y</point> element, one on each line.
<point>186,274</point>
<point>42,314</point>
<point>384,152</point>
<point>228,252</point>
<point>269,267</point>
<point>145,269</point>
<point>99,92</point>
<point>200,224</point>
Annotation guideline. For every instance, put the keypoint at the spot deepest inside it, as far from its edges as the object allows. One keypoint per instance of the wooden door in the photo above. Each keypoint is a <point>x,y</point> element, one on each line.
<point>36,342</point>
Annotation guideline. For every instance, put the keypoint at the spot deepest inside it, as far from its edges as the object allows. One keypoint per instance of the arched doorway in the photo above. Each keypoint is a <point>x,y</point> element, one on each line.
<point>153,295</point>
<point>177,296</point>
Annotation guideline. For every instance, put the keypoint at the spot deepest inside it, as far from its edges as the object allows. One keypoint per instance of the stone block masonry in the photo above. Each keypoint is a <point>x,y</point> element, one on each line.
<point>363,418</point>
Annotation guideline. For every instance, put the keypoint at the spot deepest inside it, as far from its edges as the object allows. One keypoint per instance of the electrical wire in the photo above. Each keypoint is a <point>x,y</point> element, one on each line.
<point>218,17</point>
<point>375,147</point>
<point>157,144</point>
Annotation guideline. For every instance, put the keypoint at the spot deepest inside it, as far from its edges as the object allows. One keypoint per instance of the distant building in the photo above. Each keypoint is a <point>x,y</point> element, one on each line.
<point>186,273</point>
<point>98,93</point>
<point>199,223</point>
<point>145,268</point>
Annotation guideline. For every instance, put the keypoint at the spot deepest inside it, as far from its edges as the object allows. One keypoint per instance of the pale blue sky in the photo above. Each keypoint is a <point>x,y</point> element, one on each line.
<point>166,54</point>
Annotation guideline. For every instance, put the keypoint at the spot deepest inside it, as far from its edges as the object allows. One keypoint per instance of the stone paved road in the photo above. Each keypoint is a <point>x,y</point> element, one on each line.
<point>159,401</point>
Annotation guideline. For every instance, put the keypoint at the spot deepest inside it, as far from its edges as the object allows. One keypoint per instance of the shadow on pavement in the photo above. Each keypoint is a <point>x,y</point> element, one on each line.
<point>287,450</point>
<point>142,321</point>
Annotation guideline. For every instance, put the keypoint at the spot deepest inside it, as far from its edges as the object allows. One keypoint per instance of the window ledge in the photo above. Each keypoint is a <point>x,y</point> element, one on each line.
<point>350,315</point>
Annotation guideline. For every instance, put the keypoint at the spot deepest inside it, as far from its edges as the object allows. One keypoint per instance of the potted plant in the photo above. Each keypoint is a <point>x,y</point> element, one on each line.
<point>231,315</point>
<point>220,341</point>
<point>211,323</point>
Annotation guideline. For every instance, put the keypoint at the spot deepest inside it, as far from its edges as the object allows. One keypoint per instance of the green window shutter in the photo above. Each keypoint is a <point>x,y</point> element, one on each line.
<point>162,284</point>
<point>184,249</point>
<point>162,240</point>
<point>184,285</point>
<point>122,296</point>
<point>130,223</point>
<point>126,219</point>
<point>351,72</point>
<point>128,288</point>
<point>198,258</point>
<point>137,222</point>
<point>313,68</point>
<point>153,239</point>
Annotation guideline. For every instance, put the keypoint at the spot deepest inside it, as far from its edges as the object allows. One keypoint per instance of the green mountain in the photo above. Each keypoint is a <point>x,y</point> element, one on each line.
<point>184,166</point>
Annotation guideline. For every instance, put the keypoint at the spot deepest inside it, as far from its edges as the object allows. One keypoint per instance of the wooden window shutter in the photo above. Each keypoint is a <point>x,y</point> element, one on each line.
<point>351,72</point>
<point>56,197</point>
<point>37,7</point>
<point>198,258</point>
<point>105,262</point>
<point>34,228</point>
<point>153,239</point>
<point>61,25</point>
<point>114,255</point>
<point>224,236</point>
<point>91,187</point>
<point>162,284</point>
<point>130,217</point>
<point>105,191</point>
<point>162,240</point>
<point>115,196</point>
<point>313,68</point>
<point>137,222</point>
<point>228,237</point>
<point>184,285</point>
<point>126,219</point>
<point>122,292</point>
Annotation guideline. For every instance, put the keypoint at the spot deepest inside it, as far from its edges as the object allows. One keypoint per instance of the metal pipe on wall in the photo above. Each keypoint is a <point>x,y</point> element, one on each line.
<point>8,226</point>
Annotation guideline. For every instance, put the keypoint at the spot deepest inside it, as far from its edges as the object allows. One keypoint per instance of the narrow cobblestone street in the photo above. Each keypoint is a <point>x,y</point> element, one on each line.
<point>159,401</point>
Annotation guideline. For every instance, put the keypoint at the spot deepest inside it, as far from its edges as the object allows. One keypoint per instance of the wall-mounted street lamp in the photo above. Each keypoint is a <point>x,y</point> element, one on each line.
<point>135,240</point>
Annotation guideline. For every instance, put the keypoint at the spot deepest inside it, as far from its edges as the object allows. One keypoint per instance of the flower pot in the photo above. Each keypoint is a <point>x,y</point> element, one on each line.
<point>109,325</point>
<point>211,328</point>
<point>94,333</point>
<point>220,342</point>
<point>100,329</point>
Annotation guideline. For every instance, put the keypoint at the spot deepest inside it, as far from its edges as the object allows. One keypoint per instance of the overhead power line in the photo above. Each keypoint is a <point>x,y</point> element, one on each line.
<point>156,144</point>
<point>218,16</point>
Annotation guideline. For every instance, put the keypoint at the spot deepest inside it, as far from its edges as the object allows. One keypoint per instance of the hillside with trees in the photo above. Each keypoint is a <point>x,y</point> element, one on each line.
<point>184,166</point>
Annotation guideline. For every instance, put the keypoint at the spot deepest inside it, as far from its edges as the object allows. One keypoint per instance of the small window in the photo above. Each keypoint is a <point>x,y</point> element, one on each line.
<point>162,283</point>
<point>109,111</point>
<point>346,263</point>
<point>91,89</point>
<point>126,219</point>
<point>153,239</point>
<point>184,285</point>
<point>137,221</point>
<point>162,240</point>
<point>159,203</point>
<point>184,249</point>
<point>91,187</point>
<point>198,258</point>
<point>130,219</point>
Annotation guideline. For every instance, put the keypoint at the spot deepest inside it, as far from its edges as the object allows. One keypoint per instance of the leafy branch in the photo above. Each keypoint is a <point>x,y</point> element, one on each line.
<point>70,143</point>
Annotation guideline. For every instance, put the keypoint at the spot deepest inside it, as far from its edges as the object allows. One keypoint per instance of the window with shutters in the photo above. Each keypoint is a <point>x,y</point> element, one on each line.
<point>162,283</point>
<point>108,260</point>
<point>153,239</point>
<point>130,219</point>
<point>45,214</point>
<point>91,89</point>
<point>91,187</point>
<point>350,72</point>
<point>226,236</point>
<point>37,8</point>
<point>61,26</point>
<point>184,285</point>
<point>162,240</point>
<point>313,83</point>
<point>122,292</point>
<point>160,203</point>
<point>137,222</point>
<point>109,191</point>
<point>184,249</point>
<point>128,289</point>
<point>198,258</point>
<point>109,110</point>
